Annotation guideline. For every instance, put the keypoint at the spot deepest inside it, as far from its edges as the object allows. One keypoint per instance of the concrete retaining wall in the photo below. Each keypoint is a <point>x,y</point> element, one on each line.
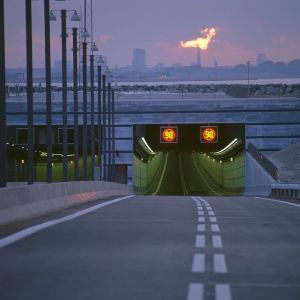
<point>31,200</point>
<point>258,181</point>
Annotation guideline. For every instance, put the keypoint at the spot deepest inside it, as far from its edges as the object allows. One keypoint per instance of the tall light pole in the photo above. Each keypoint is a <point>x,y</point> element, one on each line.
<point>248,65</point>
<point>84,147</point>
<point>3,155</point>
<point>48,90</point>
<point>109,128</point>
<point>92,115</point>
<point>75,79</point>
<point>74,17</point>
<point>64,92</point>
<point>99,123</point>
<point>104,129</point>
<point>30,138</point>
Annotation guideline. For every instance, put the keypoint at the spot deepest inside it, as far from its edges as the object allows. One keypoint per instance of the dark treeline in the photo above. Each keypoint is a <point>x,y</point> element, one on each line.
<point>267,69</point>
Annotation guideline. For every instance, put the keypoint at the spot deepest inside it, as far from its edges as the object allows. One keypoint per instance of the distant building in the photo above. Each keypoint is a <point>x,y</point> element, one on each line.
<point>215,63</point>
<point>139,59</point>
<point>58,63</point>
<point>260,58</point>
<point>159,66</point>
<point>176,65</point>
<point>198,57</point>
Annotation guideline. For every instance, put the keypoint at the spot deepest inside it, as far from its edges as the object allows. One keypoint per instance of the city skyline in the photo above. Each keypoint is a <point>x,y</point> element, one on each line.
<point>242,31</point>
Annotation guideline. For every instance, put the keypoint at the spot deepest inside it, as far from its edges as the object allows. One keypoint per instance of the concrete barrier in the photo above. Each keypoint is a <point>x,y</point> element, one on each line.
<point>32,200</point>
<point>258,182</point>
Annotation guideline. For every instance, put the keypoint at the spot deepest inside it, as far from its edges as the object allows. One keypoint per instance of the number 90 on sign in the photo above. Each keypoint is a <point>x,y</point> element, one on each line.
<point>209,134</point>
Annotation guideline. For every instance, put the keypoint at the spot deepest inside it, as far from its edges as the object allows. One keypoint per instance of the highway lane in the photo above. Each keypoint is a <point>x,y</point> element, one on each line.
<point>163,247</point>
<point>182,176</point>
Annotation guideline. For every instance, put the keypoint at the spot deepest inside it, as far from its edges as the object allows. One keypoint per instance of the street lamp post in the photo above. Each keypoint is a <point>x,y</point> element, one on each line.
<point>48,90</point>
<point>64,93</point>
<point>99,123</point>
<point>92,115</point>
<point>104,128</point>
<point>74,17</point>
<point>30,141</point>
<point>75,79</point>
<point>3,163</point>
<point>113,137</point>
<point>84,148</point>
<point>109,128</point>
<point>248,65</point>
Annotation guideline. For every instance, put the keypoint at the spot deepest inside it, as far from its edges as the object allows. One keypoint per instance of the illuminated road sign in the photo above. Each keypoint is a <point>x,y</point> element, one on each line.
<point>169,135</point>
<point>208,134</point>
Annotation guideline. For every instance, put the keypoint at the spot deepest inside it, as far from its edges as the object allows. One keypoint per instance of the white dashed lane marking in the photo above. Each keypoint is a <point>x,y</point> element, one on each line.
<point>196,291</point>
<point>198,265</point>
<point>201,227</point>
<point>222,292</point>
<point>217,241</point>
<point>215,227</point>
<point>220,263</point>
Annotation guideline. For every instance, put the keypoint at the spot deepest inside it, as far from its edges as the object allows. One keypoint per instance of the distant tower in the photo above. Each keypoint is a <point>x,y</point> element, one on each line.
<point>198,56</point>
<point>215,63</point>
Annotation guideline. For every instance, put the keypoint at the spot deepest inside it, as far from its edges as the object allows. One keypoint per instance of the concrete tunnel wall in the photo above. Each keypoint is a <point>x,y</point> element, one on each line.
<point>145,173</point>
<point>228,177</point>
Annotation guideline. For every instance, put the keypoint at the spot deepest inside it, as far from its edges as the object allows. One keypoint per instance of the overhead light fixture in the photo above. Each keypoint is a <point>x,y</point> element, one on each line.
<point>67,35</point>
<point>94,48</point>
<point>100,60</point>
<point>52,16</point>
<point>75,17</point>
<point>85,35</point>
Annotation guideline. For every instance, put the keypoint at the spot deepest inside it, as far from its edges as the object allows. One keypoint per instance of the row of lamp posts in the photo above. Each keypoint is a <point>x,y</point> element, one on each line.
<point>102,140</point>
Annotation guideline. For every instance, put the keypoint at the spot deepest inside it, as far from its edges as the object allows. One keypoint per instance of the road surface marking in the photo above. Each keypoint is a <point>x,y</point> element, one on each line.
<point>213,219</point>
<point>223,292</point>
<point>217,241</point>
<point>201,227</point>
<point>201,219</point>
<point>220,263</point>
<point>284,202</point>
<point>215,227</point>
<point>208,208</point>
<point>198,263</point>
<point>200,213</point>
<point>195,292</point>
<point>211,213</point>
<point>185,192</point>
<point>162,175</point>
<point>28,231</point>
<point>200,241</point>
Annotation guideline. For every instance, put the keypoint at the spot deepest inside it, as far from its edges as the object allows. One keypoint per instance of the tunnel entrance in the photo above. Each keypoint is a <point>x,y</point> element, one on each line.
<point>189,159</point>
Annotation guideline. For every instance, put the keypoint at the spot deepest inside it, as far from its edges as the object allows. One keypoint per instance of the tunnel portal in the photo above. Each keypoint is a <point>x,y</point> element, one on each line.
<point>189,159</point>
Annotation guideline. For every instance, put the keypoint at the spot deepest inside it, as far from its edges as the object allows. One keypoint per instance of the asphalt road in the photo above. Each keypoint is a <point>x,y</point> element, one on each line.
<point>182,176</point>
<point>167,248</point>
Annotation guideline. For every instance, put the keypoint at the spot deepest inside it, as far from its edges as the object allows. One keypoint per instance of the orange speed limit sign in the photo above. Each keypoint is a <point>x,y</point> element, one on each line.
<point>169,134</point>
<point>208,134</point>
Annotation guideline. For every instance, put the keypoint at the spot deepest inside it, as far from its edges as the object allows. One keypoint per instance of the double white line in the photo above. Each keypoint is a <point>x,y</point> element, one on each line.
<point>196,290</point>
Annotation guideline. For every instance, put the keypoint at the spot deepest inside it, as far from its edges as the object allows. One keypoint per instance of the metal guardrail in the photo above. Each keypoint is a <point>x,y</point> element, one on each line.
<point>263,161</point>
<point>285,190</point>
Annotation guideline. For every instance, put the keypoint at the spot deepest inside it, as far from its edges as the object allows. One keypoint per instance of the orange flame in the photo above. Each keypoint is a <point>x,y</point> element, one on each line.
<point>202,43</point>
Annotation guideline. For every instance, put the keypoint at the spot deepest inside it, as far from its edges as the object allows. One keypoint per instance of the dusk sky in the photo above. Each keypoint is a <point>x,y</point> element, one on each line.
<point>243,29</point>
